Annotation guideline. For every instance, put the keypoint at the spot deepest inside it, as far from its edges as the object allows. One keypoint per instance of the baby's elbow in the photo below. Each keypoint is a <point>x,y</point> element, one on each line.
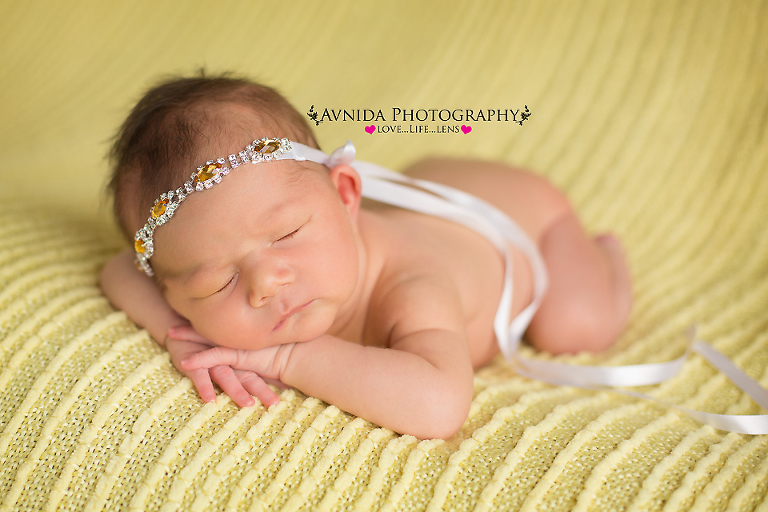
<point>445,414</point>
<point>106,276</point>
<point>448,427</point>
<point>111,270</point>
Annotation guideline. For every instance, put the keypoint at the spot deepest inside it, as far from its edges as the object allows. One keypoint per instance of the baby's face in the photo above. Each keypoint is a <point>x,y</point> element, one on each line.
<point>268,256</point>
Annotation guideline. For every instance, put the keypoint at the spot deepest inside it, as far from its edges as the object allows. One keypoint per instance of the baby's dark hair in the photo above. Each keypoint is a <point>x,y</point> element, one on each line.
<point>158,146</point>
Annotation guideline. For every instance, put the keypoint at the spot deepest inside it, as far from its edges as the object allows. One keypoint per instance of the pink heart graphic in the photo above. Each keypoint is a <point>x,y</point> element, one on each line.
<point>370,129</point>
<point>466,129</point>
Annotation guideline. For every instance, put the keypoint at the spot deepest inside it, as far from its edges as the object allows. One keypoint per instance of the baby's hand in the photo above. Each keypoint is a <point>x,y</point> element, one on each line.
<point>184,342</point>
<point>268,362</point>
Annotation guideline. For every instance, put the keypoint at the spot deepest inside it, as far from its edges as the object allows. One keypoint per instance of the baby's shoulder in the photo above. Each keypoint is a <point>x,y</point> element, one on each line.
<point>410,298</point>
<point>425,266</point>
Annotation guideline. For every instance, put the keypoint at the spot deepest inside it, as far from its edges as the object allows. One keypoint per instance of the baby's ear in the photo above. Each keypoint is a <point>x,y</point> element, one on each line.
<point>348,184</point>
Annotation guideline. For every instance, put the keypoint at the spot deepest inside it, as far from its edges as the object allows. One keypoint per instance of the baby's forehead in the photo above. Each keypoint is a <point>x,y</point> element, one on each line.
<point>191,260</point>
<point>264,189</point>
<point>254,198</point>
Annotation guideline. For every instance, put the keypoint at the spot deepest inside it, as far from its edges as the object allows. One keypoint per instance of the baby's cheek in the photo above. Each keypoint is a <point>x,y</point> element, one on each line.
<point>238,338</point>
<point>176,304</point>
<point>208,325</point>
<point>230,330</point>
<point>351,267</point>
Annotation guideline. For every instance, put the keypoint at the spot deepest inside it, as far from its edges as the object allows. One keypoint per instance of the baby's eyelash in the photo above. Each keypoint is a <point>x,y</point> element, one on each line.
<point>223,287</point>
<point>290,235</point>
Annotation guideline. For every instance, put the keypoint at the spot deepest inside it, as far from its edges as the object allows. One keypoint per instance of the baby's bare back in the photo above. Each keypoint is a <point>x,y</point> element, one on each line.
<point>416,243</point>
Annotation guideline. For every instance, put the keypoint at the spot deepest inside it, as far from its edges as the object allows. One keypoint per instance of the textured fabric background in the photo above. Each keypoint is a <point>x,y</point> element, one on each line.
<point>651,115</point>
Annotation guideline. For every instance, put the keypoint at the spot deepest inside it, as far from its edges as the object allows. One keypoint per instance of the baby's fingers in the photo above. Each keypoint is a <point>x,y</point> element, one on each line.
<point>202,381</point>
<point>186,333</point>
<point>215,356</point>
<point>226,379</point>
<point>257,387</point>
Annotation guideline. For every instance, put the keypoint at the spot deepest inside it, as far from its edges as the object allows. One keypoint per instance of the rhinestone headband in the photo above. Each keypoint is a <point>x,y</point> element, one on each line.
<point>210,173</point>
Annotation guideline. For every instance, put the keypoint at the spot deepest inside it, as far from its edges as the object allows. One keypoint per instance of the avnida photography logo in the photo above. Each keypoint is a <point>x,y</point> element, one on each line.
<point>421,120</point>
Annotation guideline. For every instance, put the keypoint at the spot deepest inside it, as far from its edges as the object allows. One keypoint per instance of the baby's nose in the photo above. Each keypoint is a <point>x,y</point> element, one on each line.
<point>267,283</point>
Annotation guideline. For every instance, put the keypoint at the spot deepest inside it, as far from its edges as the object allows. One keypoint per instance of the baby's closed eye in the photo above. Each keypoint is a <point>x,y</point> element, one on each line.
<point>299,222</point>
<point>226,285</point>
<point>290,235</point>
<point>286,237</point>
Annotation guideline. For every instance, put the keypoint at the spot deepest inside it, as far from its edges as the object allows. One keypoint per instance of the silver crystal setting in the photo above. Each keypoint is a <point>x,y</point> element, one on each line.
<point>175,197</point>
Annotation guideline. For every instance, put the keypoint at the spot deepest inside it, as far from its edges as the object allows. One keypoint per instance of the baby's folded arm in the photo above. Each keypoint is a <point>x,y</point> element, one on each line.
<point>421,385</point>
<point>138,296</point>
<point>394,388</point>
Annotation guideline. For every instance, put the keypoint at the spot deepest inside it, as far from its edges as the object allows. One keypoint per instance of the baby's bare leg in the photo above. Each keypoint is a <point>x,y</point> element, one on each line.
<point>589,297</point>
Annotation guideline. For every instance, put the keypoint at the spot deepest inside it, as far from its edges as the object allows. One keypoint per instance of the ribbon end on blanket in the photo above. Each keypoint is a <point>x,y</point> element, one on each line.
<point>690,333</point>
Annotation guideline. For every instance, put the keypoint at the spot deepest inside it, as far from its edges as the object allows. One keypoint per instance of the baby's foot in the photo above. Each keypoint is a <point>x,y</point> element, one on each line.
<point>611,246</point>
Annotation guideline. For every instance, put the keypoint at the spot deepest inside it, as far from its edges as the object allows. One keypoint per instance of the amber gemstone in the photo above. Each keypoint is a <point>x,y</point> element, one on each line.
<point>139,246</point>
<point>208,171</point>
<point>159,208</point>
<point>266,147</point>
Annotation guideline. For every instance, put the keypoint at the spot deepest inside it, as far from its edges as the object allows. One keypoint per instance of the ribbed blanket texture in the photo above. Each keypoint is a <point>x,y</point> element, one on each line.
<point>651,115</point>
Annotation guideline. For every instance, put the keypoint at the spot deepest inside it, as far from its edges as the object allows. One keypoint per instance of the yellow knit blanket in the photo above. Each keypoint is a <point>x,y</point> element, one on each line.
<point>652,116</point>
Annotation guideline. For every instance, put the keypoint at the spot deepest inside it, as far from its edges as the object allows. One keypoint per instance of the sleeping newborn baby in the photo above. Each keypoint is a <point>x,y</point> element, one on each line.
<point>266,265</point>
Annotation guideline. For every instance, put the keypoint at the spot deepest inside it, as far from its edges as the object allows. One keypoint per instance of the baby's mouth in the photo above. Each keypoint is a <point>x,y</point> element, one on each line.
<point>290,314</point>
